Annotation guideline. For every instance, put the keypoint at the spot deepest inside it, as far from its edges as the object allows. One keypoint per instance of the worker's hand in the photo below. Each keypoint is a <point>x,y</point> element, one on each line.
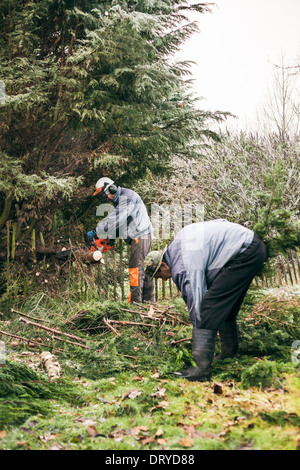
<point>91,234</point>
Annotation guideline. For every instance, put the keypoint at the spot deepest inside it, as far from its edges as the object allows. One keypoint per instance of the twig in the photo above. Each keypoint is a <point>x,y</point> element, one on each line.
<point>28,316</point>
<point>180,340</point>
<point>131,311</point>
<point>26,340</point>
<point>38,301</point>
<point>51,330</point>
<point>176,318</point>
<point>275,320</point>
<point>111,327</point>
<point>163,312</point>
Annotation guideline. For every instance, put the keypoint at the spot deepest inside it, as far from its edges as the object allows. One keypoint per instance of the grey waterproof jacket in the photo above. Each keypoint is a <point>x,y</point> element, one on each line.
<point>198,252</point>
<point>128,220</point>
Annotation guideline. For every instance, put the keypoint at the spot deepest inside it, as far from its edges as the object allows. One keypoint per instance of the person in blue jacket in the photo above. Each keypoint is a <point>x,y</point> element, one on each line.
<point>212,264</point>
<point>128,220</point>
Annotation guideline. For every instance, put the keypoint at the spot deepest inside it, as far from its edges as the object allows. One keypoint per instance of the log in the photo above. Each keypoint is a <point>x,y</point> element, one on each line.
<point>82,255</point>
<point>39,253</point>
<point>53,367</point>
<point>92,257</point>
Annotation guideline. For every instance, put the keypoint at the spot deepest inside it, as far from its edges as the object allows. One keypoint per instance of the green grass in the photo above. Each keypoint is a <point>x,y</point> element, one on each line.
<point>119,394</point>
<point>167,414</point>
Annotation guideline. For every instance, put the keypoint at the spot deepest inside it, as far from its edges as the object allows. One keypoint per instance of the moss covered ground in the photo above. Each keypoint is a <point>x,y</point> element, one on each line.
<point>118,393</point>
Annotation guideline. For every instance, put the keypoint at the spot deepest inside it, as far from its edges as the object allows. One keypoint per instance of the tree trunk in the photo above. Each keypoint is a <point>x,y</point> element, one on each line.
<point>6,210</point>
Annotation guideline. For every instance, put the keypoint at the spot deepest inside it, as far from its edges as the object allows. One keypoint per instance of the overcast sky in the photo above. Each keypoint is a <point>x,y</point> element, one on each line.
<point>234,52</point>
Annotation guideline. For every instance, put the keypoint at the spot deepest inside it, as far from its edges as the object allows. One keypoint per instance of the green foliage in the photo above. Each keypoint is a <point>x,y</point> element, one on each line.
<point>277,226</point>
<point>95,391</point>
<point>262,374</point>
<point>91,83</point>
<point>20,186</point>
<point>281,418</point>
<point>269,323</point>
<point>24,393</point>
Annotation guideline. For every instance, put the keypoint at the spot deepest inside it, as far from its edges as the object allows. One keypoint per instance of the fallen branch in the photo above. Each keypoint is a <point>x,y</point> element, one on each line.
<point>111,327</point>
<point>21,338</point>
<point>51,330</point>
<point>181,340</point>
<point>144,315</point>
<point>53,367</point>
<point>70,342</point>
<point>28,316</point>
<point>26,340</point>
<point>133,311</point>
<point>156,309</point>
<point>176,318</point>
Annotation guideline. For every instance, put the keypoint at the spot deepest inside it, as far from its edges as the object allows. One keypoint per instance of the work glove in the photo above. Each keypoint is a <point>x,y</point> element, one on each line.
<point>91,234</point>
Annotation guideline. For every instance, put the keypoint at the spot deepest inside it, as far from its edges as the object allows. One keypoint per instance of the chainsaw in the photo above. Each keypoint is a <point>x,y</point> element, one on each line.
<point>100,244</point>
<point>93,245</point>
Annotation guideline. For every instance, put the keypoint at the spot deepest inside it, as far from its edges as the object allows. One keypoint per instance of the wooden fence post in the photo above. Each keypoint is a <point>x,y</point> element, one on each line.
<point>291,261</point>
<point>42,240</point>
<point>8,223</point>
<point>7,254</point>
<point>13,241</point>
<point>298,263</point>
<point>289,270</point>
<point>33,245</point>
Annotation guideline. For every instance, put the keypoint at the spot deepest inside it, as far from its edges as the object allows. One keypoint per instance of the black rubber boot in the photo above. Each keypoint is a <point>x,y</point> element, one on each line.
<point>203,353</point>
<point>228,334</point>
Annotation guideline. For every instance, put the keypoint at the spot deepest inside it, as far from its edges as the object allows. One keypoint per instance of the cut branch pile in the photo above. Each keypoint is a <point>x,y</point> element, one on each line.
<point>147,319</point>
<point>269,311</point>
<point>156,314</point>
<point>150,316</point>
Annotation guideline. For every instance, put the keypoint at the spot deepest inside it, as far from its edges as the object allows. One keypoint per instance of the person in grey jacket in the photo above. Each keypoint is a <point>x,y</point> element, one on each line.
<point>213,264</point>
<point>129,220</point>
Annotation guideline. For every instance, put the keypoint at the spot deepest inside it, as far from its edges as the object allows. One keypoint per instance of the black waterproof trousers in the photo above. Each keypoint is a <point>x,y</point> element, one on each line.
<point>225,295</point>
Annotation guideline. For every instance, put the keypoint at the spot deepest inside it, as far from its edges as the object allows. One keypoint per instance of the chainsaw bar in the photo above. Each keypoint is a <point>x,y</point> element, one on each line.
<point>64,254</point>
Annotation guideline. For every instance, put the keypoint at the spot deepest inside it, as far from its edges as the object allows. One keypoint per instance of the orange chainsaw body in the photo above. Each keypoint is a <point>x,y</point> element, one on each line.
<point>101,244</point>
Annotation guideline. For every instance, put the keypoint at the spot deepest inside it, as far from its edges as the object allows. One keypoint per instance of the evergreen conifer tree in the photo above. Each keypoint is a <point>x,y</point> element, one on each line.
<point>91,84</point>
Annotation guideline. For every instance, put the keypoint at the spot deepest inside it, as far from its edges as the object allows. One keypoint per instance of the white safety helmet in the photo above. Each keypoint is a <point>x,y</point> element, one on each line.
<point>102,185</point>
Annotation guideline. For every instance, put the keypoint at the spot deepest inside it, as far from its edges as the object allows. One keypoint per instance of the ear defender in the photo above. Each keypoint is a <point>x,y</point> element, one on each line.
<point>112,189</point>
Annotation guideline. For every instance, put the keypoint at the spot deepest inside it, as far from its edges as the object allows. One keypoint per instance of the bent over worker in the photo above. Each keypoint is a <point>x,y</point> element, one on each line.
<point>213,264</point>
<point>130,221</point>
